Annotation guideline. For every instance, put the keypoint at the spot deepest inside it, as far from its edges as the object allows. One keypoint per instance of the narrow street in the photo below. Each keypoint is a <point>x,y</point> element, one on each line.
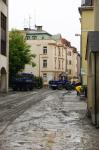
<point>46,120</point>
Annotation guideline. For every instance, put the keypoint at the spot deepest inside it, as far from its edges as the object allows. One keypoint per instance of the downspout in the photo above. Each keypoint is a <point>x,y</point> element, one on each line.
<point>95,90</point>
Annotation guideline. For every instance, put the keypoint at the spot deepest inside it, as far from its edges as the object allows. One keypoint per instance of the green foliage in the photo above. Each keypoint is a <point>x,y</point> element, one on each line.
<point>19,52</point>
<point>39,82</point>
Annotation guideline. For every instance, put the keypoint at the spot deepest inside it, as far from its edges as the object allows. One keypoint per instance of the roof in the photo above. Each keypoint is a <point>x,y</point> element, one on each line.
<point>67,43</point>
<point>32,31</point>
<point>83,8</point>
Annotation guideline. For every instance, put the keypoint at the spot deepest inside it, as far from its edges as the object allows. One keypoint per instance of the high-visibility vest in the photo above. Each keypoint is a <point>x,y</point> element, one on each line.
<point>78,88</point>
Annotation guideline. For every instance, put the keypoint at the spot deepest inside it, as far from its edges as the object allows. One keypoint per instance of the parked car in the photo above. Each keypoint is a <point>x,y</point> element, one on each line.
<point>60,84</point>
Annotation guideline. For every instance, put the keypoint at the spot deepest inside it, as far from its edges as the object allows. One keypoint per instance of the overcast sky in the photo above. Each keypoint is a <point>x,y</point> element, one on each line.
<point>56,16</point>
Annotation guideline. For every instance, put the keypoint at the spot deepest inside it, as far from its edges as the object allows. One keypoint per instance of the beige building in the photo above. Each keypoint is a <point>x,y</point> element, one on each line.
<point>50,54</point>
<point>4,45</point>
<point>72,63</point>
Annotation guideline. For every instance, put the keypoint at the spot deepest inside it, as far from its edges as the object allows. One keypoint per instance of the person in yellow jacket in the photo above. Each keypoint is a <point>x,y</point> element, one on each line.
<point>78,89</point>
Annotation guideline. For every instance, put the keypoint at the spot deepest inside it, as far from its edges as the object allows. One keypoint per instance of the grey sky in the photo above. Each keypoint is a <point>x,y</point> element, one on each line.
<point>56,16</point>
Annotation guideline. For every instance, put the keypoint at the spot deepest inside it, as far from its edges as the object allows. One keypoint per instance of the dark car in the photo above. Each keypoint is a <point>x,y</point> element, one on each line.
<point>60,84</point>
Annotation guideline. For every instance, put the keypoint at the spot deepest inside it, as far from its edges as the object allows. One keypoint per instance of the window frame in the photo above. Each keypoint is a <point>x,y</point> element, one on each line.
<point>3,34</point>
<point>45,77</point>
<point>44,50</point>
<point>44,63</point>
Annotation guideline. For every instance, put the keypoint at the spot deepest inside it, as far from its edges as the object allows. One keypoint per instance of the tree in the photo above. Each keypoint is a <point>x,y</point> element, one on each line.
<point>19,52</point>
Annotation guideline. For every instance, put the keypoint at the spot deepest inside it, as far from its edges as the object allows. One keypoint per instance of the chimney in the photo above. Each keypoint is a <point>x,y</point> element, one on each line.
<point>38,28</point>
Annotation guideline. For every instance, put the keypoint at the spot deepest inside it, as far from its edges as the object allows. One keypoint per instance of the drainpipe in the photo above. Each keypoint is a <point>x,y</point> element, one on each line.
<point>95,90</point>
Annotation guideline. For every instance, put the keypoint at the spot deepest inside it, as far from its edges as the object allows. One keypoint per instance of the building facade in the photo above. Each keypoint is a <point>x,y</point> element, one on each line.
<point>50,54</point>
<point>92,56</point>
<point>4,45</point>
<point>72,63</point>
<point>87,24</point>
<point>55,57</point>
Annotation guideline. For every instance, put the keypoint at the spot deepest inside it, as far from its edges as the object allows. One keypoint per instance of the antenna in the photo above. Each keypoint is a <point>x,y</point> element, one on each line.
<point>25,23</point>
<point>29,22</point>
<point>34,18</point>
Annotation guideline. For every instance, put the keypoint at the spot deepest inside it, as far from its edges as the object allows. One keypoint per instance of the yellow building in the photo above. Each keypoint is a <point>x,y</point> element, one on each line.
<point>87,19</point>
<point>4,45</point>
<point>92,56</point>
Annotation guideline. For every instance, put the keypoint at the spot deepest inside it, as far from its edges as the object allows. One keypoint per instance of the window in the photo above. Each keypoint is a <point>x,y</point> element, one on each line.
<point>62,64</point>
<point>42,37</point>
<point>28,37</point>
<point>34,37</point>
<point>55,63</point>
<point>3,34</point>
<point>59,64</point>
<point>69,53</point>
<point>62,51</point>
<point>69,71</point>
<point>55,51</point>
<point>44,77</point>
<point>44,63</point>
<point>59,52</point>
<point>87,3</point>
<point>69,62</point>
<point>44,49</point>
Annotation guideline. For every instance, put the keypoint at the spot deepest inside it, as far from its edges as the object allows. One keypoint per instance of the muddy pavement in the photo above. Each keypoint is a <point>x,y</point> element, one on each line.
<point>57,122</point>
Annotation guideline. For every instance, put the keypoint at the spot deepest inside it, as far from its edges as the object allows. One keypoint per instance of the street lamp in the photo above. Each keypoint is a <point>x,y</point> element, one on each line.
<point>77,34</point>
<point>39,64</point>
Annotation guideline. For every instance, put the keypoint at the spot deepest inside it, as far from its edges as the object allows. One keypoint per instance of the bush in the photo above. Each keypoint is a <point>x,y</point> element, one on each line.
<point>39,82</point>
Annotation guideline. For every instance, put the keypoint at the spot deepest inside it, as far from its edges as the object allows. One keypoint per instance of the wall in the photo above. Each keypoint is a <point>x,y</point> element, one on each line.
<point>87,24</point>
<point>4,59</point>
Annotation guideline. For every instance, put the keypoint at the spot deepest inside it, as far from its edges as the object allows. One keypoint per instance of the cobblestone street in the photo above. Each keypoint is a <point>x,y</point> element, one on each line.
<point>57,122</point>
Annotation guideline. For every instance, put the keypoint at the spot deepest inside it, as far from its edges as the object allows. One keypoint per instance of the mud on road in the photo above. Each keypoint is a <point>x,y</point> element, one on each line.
<point>14,104</point>
<point>56,121</point>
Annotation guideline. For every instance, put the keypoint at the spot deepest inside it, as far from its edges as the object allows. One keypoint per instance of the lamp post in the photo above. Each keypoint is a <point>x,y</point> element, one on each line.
<point>39,64</point>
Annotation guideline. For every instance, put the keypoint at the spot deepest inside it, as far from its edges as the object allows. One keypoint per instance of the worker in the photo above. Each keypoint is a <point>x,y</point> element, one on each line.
<point>78,89</point>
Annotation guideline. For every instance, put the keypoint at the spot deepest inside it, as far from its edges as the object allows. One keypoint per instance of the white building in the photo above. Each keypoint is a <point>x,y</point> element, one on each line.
<point>4,45</point>
<point>50,54</point>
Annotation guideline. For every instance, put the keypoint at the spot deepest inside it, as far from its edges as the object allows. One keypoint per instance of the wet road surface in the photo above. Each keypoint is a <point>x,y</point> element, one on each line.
<point>56,122</point>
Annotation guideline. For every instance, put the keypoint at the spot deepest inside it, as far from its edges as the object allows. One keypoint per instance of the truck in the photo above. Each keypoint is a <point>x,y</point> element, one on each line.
<point>23,81</point>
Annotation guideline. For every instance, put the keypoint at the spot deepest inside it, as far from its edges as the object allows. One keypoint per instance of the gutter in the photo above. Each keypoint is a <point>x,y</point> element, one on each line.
<point>95,91</point>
